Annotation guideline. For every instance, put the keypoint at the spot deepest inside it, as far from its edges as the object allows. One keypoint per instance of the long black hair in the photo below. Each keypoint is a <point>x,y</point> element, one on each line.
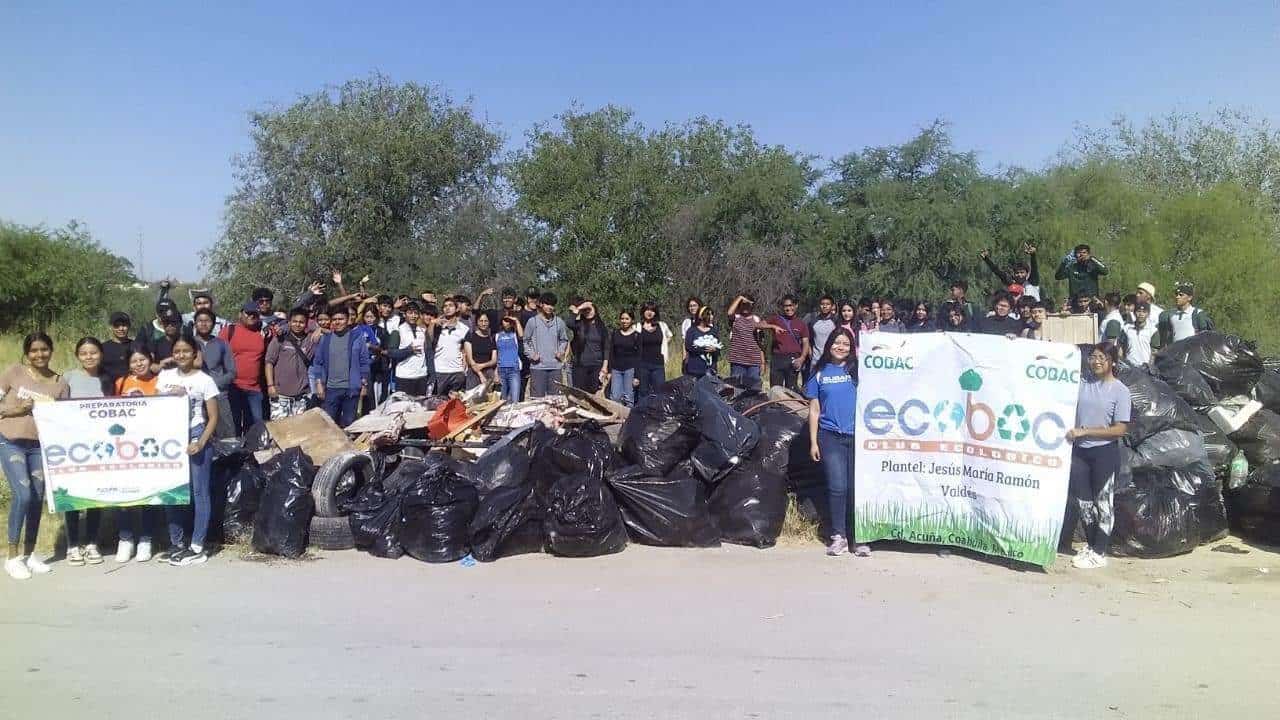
<point>851,364</point>
<point>103,379</point>
<point>657,314</point>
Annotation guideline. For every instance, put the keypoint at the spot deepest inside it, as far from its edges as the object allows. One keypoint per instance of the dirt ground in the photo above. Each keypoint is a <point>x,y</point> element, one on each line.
<point>733,632</point>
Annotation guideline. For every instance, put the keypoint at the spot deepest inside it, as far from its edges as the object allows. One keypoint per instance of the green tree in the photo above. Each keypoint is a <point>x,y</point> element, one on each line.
<point>347,178</point>
<point>60,275</point>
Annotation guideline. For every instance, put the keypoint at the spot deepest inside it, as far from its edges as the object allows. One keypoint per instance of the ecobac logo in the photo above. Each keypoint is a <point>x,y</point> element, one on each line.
<point>915,418</point>
<point>114,450</point>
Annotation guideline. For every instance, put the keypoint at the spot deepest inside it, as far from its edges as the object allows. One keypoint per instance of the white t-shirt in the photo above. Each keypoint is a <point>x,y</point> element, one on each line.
<point>199,387</point>
<point>1031,290</point>
<point>1180,321</point>
<point>414,366</point>
<point>1140,342</point>
<point>1153,317</point>
<point>449,348</point>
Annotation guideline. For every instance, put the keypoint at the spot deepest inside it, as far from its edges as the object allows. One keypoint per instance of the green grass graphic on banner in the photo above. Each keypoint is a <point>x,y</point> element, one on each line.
<point>64,501</point>
<point>1030,543</point>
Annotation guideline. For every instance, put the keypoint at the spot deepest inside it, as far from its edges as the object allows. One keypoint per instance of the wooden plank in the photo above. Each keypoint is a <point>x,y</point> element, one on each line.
<point>480,413</point>
<point>313,431</point>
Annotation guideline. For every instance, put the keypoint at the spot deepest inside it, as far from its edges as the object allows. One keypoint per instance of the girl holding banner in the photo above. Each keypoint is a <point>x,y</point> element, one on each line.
<point>202,395</point>
<point>87,381</point>
<point>21,387</point>
<point>136,521</point>
<point>832,391</point>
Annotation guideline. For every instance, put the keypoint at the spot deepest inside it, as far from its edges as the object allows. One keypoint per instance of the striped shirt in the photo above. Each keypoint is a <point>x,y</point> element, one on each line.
<point>743,349</point>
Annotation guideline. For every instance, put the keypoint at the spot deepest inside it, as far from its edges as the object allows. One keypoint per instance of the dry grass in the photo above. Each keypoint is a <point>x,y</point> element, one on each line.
<point>796,530</point>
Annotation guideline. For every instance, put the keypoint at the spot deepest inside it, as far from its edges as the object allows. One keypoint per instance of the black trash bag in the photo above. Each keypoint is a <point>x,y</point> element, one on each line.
<point>749,505</point>
<point>1156,406</point>
<point>1169,449</point>
<point>662,429</point>
<point>1188,383</point>
<point>1259,438</point>
<point>1219,449</point>
<point>728,436</point>
<point>258,438</point>
<point>1267,391</point>
<point>504,464</point>
<point>1260,495</point>
<point>582,519</point>
<point>1213,509</point>
<point>239,481</point>
<point>779,428</point>
<point>582,449</point>
<point>375,521</point>
<point>508,522</point>
<point>1230,365</point>
<point>668,511</point>
<point>435,516</point>
<point>1158,514</point>
<point>284,514</point>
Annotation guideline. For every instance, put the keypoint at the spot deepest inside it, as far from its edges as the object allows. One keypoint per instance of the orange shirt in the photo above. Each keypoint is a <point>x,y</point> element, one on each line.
<point>131,386</point>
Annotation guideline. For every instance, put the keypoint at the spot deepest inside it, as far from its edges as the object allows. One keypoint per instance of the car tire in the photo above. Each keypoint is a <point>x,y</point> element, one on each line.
<point>338,479</point>
<point>329,533</point>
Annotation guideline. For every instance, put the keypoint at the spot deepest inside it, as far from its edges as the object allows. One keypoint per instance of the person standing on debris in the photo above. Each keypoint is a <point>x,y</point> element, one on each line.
<point>1184,319</point>
<point>790,348</point>
<point>21,387</point>
<point>1082,271</point>
<point>655,339</point>
<point>746,358</point>
<point>590,345</point>
<point>1140,335</point>
<point>546,342</point>
<point>1102,415</point>
<point>341,361</point>
<point>288,360</point>
<point>833,392</point>
<point>412,353</point>
<point>249,345</point>
<point>701,346</point>
<point>219,363</point>
<point>623,358</point>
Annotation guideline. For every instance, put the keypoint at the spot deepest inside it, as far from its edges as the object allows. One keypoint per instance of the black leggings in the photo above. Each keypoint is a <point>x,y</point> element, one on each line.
<point>1093,479</point>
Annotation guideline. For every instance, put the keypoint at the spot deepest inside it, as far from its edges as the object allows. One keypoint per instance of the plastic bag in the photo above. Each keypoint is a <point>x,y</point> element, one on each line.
<point>1156,406</point>
<point>284,514</point>
<point>1170,449</point>
<point>779,428</point>
<point>749,505</point>
<point>1254,510</point>
<point>239,480</point>
<point>1167,511</point>
<point>1219,449</point>
<point>582,449</point>
<point>669,511</point>
<point>435,516</point>
<point>662,429</point>
<point>504,464</point>
<point>375,521</point>
<point>1267,391</point>
<point>582,519</point>
<point>728,436</point>
<point>1188,383</point>
<point>508,522</point>
<point>1259,438</point>
<point>1230,365</point>
<point>258,438</point>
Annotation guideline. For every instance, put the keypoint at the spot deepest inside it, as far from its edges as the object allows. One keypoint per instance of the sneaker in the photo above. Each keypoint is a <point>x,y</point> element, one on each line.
<point>1086,560</point>
<point>92,555</point>
<point>187,556</point>
<point>75,557</point>
<point>862,551</point>
<point>838,546</point>
<point>37,566</point>
<point>17,569</point>
<point>124,551</point>
<point>144,551</point>
<point>1099,561</point>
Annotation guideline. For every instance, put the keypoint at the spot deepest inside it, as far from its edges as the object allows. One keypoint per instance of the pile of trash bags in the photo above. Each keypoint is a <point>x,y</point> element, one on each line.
<point>423,509</point>
<point>1205,412</point>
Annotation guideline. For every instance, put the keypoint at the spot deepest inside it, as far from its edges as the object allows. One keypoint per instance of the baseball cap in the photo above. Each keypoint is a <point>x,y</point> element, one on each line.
<point>1148,288</point>
<point>1015,288</point>
<point>201,293</point>
<point>164,306</point>
<point>170,317</point>
<point>120,318</point>
<point>250,307</point>
<point>1185,288</point>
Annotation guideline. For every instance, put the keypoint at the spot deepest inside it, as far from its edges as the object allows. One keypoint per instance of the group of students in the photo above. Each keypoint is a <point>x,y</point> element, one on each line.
<point>348,353</point>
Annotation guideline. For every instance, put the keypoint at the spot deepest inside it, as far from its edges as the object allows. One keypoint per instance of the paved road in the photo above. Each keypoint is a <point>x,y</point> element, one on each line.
<point>733,633</point>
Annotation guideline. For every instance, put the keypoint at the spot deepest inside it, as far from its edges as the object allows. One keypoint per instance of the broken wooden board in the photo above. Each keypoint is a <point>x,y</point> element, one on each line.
<point>617,412</point>
<point>313,431</point>
<point>479,413</point>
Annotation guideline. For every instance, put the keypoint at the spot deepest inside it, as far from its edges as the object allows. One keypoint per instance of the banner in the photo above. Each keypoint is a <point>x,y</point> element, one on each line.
<point>961,441</point>
<point>111,452</point>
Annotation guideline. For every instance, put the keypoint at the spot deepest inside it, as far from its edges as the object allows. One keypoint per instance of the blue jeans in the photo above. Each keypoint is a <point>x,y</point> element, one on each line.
<point>21,462</point>
<point>246,408</point>
<point>340,403</point>
<point>622,386</point>
<point>511,382</point>
<point>201,499</point>
<point>837,465</point>
<point>651,377</point>
<point>747,375</point>
<point>136,523</point>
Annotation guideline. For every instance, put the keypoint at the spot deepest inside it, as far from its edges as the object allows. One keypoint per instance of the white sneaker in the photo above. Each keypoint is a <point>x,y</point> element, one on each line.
<point>1099,561</point>
<point>17,569</point>
<point>144,551</point>
<point>1087,560</point>
<point>37,566</point>
<point>92,555</point>
<point>124,551</point>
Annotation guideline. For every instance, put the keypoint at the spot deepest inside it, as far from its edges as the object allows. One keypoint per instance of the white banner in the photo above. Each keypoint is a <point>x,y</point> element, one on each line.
<point>111,452</point>
<point>961,441</point>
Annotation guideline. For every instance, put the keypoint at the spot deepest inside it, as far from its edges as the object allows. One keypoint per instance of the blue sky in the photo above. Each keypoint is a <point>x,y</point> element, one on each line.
<point>126,115</point>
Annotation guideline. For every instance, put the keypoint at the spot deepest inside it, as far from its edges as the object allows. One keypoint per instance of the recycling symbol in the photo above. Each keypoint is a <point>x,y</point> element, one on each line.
<point>150,448</point>
<point>956,416</point>
<point>103,450</point>
<point>1008,424</point>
